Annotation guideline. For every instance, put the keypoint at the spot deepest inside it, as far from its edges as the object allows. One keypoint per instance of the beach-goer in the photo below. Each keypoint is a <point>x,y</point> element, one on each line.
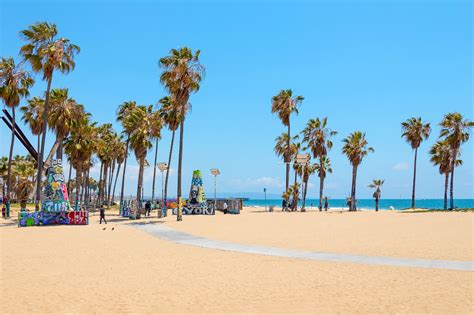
<point>102,214</point>
<point>225,207</point>
<point>326,204</point>
<point>283,205</point>
<point>3,211</point>
<point>147,208</point>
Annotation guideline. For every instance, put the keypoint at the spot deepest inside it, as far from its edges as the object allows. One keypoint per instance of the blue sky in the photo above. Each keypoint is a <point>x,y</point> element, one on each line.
<point>365,65</point>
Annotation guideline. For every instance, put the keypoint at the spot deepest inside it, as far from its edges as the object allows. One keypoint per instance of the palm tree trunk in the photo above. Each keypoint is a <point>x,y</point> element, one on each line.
<point>39,175</point>
<point>451,188</point>
<point>115,183</point>
<point>111,177</point>
<point>104,191</point>
<point>140,182</point>
<point>78,182</point>
<point>10,156</point>
<point>321,187</point>
<point>287,184</point>
<point>414,180</point>
<point>69,177</point>
<point>354,171</point>
<point>169,165</point>
<point>446,179</point>
<point>296,177</point>
<point>99,194</point>
<point>180,159</point>
<point>124,169</point>
<point>154,172</point>
<point>304,192</point>
<point>59,150</point>
<point>87,184</point>
<point>376,204</point>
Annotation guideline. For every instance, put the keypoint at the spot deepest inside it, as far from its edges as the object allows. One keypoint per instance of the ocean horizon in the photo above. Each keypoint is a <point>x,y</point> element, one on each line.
<point>384,204</point>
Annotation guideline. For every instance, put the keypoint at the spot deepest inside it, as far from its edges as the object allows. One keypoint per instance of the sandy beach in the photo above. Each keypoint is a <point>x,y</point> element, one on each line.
<point>85,269</point>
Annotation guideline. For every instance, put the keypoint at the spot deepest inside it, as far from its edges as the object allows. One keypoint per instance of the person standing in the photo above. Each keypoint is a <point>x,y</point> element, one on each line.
<point>102,214</point>
<point>326,204</point>
<point>225,207</point>
<point>147,208</point>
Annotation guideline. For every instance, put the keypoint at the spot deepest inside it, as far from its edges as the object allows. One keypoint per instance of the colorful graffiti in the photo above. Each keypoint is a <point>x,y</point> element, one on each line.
<point>26,218</point>
<point>196,204</point>
<point>55,197</point>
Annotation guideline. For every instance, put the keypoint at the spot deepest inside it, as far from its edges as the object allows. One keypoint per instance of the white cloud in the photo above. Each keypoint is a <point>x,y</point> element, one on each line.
<point>401,166</point>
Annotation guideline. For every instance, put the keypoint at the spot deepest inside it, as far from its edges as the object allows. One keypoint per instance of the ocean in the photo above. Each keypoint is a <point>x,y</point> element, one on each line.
<point>384,204</point>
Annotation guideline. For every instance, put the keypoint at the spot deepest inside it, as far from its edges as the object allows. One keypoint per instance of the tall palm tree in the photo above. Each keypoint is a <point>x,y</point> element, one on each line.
<point>171,115</point>
<point>441,155</point>
<point>415,131</point>
<point>105,153</point>
<point>120,157</point>
<point>318,138</point>
<point>64,111</point>
<point>355,148</point>
<point>456,131</point>
<point>323,166</point>
<point>123,111</point>
<point>305,172</point>
<point>14,84</point>
<point>80,146</point>
<point>145,125</point>
<point>33,116</point>
<point>182,76</point>
<point>285,147</point>
<point>376,184</point>
<point>4,172</point>
<point>284,104</point>
<point>23,171</point>
<point>46,53</point>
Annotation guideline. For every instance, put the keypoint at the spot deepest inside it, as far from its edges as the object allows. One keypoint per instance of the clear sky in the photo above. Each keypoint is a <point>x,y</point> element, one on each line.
<point>366,65</point>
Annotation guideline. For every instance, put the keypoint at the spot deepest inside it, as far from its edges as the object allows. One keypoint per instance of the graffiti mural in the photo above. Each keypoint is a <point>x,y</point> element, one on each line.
<point>26,218</point>
<point>56,208</point>
<point>55,197</point>
<point>196,204</point>
<point>127,207</point>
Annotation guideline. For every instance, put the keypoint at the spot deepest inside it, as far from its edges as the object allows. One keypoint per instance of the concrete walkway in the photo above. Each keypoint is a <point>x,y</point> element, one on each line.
<point>166,233</point>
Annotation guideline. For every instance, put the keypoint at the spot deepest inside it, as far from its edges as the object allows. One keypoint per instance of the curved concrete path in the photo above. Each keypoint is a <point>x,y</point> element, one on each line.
<point>166,233</point>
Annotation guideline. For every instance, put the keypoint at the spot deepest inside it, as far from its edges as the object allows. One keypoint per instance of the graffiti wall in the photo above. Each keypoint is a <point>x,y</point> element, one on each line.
<point>55,197</point>
<point>196,204</point>
<point>26,218</point>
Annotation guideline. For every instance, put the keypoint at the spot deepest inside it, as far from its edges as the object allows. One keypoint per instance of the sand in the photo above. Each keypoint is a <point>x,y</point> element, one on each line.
<point>85,269</point>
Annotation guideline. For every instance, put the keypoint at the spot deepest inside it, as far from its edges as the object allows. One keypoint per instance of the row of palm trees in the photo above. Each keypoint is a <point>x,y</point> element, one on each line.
<point>76,134</point>
<point>317,139</point>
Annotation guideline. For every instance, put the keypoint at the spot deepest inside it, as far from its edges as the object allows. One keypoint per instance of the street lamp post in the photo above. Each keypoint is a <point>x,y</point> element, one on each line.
<point>162,167</point>
<point>215,172</point>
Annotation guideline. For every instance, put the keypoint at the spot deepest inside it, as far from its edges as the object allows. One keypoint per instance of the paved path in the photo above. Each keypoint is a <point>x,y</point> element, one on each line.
<point>166,233</point>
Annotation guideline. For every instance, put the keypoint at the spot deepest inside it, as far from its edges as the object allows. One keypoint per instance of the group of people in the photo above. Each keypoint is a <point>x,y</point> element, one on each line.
<point>285,205</point>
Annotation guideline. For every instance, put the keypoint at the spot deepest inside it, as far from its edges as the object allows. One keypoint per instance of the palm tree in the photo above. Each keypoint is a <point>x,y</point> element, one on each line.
<point>415,131</point>
<point>33,116</point>
<point>285,147</point>
<point>305,172</point>
<point>318,138</point>
<point>46,53</point>
<point>120,157</point>
<point>171,115</point>
<point>182,76</point>
<point>123,111</point>
<point>145,125</point>
<point>323,166</point>
<point>105,153</point>
<point>4,172</point>
<point>441,155</point>
<point>23,172</point>
<point>63,113</point>
<point>456,131</point>
<point>80,145</point>
<point>376,184</point>
<point>14,84</point>
<point>355,148</point>
<point>284,104</point>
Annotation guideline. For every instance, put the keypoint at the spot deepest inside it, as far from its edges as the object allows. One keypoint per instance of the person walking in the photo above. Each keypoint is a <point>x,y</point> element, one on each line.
<point>225,207</point>
<point>102,214</point>
<point>147,209</point>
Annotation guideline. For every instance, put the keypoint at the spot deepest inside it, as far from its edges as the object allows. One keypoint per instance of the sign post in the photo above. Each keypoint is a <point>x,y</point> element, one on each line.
<point>162,167</point>
<point>215,172</point>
